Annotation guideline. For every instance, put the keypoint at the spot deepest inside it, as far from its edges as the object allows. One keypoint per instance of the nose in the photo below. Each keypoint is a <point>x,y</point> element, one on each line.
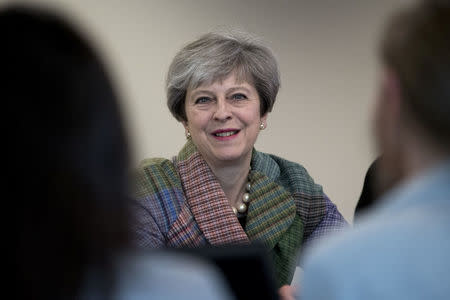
<point>223,110</point>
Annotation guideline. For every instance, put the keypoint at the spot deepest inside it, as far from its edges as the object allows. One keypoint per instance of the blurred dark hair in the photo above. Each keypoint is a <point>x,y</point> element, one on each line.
<point>369,194</point>
<point>416,45</point>
<point>374,188</point>
<point>67,157</point>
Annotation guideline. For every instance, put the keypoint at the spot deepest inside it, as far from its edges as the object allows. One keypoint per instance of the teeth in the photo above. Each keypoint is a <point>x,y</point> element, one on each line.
<point>228,133</point>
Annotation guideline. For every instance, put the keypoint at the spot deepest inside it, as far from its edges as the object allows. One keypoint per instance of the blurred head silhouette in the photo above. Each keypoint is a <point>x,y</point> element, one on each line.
<point>412,118</point>
<point>67,156</point>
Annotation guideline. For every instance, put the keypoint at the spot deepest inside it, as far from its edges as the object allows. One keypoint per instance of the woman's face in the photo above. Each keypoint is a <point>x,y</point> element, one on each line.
<point>224,120</point>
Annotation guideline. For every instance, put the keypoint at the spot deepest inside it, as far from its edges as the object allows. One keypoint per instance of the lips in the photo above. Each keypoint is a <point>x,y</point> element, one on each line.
<point>225,133</point>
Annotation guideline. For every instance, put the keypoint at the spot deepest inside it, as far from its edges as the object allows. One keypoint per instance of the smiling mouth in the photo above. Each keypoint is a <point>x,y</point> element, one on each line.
<point>226,133</point>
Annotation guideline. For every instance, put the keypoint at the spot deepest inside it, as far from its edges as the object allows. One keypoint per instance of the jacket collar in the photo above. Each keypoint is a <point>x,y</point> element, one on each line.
<point>271,211</point>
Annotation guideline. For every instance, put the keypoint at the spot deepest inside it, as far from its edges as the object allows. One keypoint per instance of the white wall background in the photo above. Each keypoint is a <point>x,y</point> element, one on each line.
<point>326,52</point>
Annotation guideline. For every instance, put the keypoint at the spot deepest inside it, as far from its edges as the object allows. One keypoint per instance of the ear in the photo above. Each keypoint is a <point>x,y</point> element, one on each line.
<point>185,125</point>
<point>388,116</point>
<point>394,94</point>
<point>264,119</point>
<point>389,129</point>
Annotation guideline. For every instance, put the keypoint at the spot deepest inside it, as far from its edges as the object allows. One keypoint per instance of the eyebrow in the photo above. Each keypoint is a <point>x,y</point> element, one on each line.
<point>195,93</point>
<point>230,90</point>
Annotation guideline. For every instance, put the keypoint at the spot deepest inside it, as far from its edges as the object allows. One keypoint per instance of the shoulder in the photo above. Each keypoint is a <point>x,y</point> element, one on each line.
<point>308,196</point>
<point>289,174</point>
<point>158,164</point>
<point>158,193</point>
<point>384,256</point>
<point>339,266</point>
<point>156,174</point>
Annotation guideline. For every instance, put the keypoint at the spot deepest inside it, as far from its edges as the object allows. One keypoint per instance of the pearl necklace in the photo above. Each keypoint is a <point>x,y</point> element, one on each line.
<point>243,206</point>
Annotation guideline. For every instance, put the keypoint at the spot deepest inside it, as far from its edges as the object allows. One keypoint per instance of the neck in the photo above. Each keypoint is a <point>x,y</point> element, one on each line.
<point>423,153</point>
<point>232,177</point>
<point>419,160</point>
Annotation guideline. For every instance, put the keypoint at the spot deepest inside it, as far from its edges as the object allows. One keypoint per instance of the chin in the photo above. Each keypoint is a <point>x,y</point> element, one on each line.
<point>228,156</point>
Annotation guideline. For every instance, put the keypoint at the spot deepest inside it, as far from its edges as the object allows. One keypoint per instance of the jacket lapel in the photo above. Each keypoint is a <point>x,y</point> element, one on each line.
<point>272,208</point>
<point>207,200</point>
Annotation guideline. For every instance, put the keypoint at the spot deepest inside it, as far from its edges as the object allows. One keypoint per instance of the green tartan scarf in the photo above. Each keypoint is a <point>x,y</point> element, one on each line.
<point>273,217</point>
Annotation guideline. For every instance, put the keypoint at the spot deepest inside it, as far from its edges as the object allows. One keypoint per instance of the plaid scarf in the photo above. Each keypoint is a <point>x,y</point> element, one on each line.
<point>286,205</point>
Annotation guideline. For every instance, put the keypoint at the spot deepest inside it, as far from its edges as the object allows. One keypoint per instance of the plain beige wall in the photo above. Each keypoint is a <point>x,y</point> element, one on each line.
<point>326,52</point>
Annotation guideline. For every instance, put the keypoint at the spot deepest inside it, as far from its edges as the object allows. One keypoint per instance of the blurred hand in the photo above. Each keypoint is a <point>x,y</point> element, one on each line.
<point>287,292</point>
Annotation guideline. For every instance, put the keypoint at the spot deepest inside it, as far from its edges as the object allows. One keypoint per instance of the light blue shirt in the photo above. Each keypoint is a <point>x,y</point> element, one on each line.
<point>170,277</point>
<point>400,251</point>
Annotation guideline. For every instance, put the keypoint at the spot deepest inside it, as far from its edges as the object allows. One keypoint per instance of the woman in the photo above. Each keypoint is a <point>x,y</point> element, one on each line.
<point>67,172</point>
<point>219,189</point>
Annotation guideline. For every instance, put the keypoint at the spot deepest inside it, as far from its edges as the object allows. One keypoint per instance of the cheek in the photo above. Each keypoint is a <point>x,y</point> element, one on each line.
<point>196,120</point>
<point>252,117</point>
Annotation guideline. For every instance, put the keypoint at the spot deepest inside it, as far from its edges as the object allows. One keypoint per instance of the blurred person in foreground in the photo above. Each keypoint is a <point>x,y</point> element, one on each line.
<point>67,165</point>
<point>402,249</point>
<point>219,190</point>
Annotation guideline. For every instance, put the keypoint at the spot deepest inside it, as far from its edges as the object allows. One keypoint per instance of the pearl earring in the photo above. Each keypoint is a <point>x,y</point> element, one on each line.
<point>261,126</point>
<point>188,134</point>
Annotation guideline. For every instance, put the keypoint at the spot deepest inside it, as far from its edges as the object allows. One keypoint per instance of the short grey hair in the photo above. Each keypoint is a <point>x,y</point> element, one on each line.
<point>214,56</point>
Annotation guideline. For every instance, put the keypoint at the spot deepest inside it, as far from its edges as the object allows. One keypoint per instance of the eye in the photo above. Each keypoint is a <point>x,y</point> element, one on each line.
<point>202,100</point>
<point>238,96</point>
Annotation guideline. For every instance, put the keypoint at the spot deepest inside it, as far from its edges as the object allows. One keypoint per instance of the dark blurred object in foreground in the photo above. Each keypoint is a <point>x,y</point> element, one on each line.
<point>67,157</point>
<point>67,171</point>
